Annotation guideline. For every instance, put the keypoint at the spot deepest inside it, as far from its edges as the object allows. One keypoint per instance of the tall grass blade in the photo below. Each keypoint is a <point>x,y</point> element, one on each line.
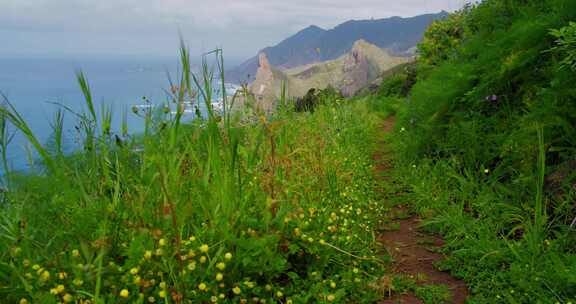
<point>57,131</point>
<point>5,138</point>
<point>539,208</point>
<point>9,112</point>
<point>85,87</point>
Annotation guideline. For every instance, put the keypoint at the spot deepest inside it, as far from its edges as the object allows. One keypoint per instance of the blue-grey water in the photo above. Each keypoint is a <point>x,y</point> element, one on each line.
<point>34,85</point>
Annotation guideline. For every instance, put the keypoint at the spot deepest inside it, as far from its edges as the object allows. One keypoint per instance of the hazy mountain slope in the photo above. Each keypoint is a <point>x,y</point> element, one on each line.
<point>297,50</point>
<point>348,73</point>
<point>396,33</point>
<point>301,43</point>
<point>314,44</point>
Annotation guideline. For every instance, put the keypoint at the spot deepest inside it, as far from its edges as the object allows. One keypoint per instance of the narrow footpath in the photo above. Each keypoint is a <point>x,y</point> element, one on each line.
<point>413,252</point>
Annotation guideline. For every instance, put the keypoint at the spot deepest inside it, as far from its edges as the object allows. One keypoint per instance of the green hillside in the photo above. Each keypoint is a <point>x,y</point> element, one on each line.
<point>486,143</point>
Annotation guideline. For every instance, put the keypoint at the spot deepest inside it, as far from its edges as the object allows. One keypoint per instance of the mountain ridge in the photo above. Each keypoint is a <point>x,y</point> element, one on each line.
<point>348,74</point>
<point>314,44</point>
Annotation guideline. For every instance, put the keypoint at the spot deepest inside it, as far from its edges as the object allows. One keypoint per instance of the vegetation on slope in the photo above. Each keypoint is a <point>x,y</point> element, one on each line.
<point>486,141</point>
<point>277,211</point>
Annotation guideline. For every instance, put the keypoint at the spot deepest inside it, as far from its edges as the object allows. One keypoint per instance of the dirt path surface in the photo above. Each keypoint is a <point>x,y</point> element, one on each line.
<point>413,252</point>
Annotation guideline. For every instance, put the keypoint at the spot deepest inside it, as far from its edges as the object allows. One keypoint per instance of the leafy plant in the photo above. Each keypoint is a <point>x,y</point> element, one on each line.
<point>566,45</point>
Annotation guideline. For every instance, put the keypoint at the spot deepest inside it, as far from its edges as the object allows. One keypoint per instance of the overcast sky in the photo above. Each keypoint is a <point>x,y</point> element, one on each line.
<point>150,27</point>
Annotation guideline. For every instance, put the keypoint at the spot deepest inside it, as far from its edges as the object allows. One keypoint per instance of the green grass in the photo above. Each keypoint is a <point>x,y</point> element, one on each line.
<point>495,178</point>
<point>433,294</point>
<point>282,209</point>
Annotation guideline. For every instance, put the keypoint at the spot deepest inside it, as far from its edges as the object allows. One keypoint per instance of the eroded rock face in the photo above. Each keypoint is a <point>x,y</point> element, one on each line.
<point>355,70</point>
<point>263,86</point>
<point>348,74</point>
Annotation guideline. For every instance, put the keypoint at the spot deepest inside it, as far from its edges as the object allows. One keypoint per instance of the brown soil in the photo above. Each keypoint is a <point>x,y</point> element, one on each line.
<point>412,251</point>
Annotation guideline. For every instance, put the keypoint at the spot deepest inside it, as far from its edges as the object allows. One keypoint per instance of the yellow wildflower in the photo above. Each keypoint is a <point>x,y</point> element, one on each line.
<point>45,276</point>
<point>297,231</point>
<point>202,286</point>
<point>124,293</point>
<point>204,248</point>
<point>249,284</point>
<point>60,288</point>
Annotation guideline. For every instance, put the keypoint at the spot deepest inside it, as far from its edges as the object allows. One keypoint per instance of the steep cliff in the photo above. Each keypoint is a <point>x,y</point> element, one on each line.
<point>348,74</point>
<point>267,83</point>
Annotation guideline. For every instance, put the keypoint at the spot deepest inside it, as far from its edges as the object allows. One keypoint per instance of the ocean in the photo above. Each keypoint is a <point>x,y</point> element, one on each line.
<point>34,86</point>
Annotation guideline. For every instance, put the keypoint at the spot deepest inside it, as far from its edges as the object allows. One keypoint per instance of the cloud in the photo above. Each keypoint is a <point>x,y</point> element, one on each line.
<point>151,26</point>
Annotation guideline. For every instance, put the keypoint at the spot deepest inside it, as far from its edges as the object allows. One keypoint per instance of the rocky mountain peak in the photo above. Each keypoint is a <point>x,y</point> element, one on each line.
<point>263,62</point>
<point>314,44</point>
<point>356,69</point>
<point>312,28</point>
<point>263,86</point>
<point>360,43</point>
<point>349,73</point>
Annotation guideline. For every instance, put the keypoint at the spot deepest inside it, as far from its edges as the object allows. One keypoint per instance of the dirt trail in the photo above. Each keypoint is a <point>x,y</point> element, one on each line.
<point>412,251</point>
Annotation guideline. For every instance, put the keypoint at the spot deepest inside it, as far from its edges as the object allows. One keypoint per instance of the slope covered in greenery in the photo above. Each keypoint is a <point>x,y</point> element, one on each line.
<point>280,209</point>
<point>486,142</point>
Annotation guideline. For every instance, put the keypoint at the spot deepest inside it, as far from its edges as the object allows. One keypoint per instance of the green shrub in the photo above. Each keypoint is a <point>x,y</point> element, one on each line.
<point>486,140</point>
<point>566,45</point>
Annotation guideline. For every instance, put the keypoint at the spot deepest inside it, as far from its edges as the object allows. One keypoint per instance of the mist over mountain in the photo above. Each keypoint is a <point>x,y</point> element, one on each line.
<point>314,44</point>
